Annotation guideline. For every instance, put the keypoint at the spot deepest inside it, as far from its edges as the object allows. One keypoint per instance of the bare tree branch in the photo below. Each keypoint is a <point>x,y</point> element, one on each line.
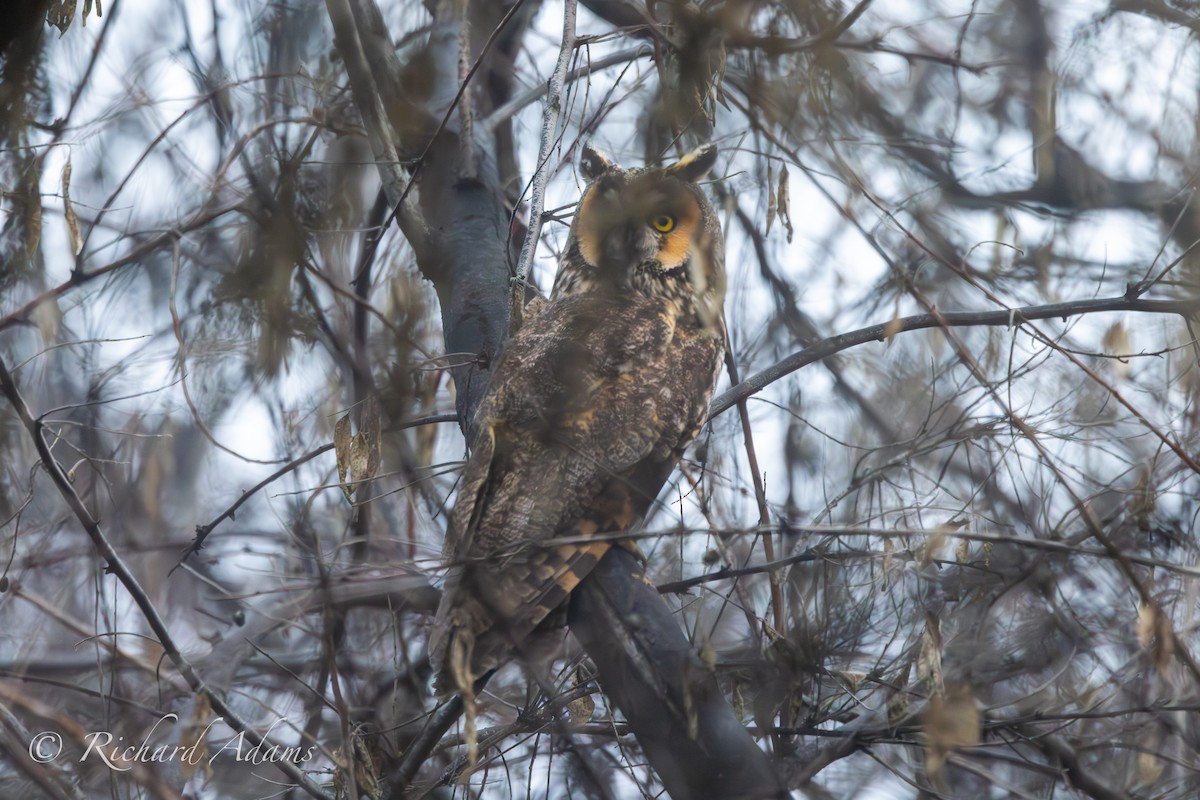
<point>116,565</point>
<point>550,135</point>
<point>878,333</point>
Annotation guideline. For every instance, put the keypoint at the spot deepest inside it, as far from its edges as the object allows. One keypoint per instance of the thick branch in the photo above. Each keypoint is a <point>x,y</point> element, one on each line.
<point>646,666</point>
<point>467,259</point>
<point>367,97</point>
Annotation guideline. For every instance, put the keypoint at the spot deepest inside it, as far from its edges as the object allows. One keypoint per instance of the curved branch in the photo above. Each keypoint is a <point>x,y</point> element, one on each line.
<point>134,256</point>
<point>510,109</point>
<point>202,531</point>
<point>954,319</point>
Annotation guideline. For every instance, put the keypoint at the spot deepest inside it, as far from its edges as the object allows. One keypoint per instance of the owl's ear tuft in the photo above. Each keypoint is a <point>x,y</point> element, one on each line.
<point>696,164</point>
<point>593,162</point>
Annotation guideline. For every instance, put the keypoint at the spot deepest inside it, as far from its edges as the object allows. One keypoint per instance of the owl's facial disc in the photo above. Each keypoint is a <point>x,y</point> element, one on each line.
<point>628,223</point>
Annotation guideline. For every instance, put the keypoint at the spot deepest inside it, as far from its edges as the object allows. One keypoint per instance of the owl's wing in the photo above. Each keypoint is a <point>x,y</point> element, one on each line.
<point>591,406</point>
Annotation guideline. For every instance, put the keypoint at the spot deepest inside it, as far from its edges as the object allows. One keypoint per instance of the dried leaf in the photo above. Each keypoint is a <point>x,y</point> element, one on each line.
<point>934,541</point>
<point>1116,340</point>
<point>366,770</point>
<point>1154,634</point>
<point>898,699</point>
<point>69,210</point>
<point>1150,768</point>
<point>581,709</point>
<point>339,773</point>
<point>888,559</point>
<point>194,742</point>
<point>1165,641</point>
<point>897,708</point>
<point>929,660</point>
<point>1144,499</point>
<point>87,9</point>
<point>48,318</point>
<point>853,679</point>
<point>785,215</point>
<point>690,710</point>
<point>998,250</point>
<point>1116,343</point>
<point>341,449</point>
<point>963,551</point>
<point>60,14</point>
<point>1145,625</point>
<point>951,721</point>
<point>772,206</point>
<point>992,351</point>
<point>891,329</point>
<point>360,457</point>
<point>937,342</point>
<point>151,479</point>
<point>426,436</point>
<point>1149,765</point>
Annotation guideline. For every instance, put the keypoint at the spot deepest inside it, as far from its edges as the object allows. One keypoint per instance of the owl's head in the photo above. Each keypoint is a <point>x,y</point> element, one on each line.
<point>650,230</point>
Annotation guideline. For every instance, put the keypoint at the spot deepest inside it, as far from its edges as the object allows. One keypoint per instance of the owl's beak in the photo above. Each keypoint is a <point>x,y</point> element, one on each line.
<point>625,249</point>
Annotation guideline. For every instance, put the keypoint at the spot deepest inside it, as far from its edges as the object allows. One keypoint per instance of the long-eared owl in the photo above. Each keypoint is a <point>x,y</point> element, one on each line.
<point>591,404</point>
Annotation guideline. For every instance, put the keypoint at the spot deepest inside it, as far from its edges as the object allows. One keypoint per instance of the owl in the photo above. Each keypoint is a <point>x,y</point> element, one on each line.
<point>591,404</point>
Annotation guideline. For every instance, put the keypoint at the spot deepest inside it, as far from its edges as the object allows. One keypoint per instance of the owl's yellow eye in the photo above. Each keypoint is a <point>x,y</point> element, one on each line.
<point>663,223</point>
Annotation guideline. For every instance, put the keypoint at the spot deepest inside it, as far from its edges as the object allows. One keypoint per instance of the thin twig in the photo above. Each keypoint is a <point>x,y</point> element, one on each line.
<point>846,22</point>
<point>1174,446</point>
<point>115,565</point>
<point>531,94</point>
<point>202,531</point>
<point>725,573</point>
<point>760,495</point>
<point>541,174</point>
<point>1053,546</point>
<point>135,256</point>
<point>348,39</point>
<point>1086,511</point>
<point>181,362</point>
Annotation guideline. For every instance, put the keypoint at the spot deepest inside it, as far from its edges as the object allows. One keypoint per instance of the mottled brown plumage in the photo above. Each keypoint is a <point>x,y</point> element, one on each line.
<point>591,405</point>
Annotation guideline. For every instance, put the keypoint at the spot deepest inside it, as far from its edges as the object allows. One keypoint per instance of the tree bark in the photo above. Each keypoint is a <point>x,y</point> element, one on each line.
<point>649,670</point>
